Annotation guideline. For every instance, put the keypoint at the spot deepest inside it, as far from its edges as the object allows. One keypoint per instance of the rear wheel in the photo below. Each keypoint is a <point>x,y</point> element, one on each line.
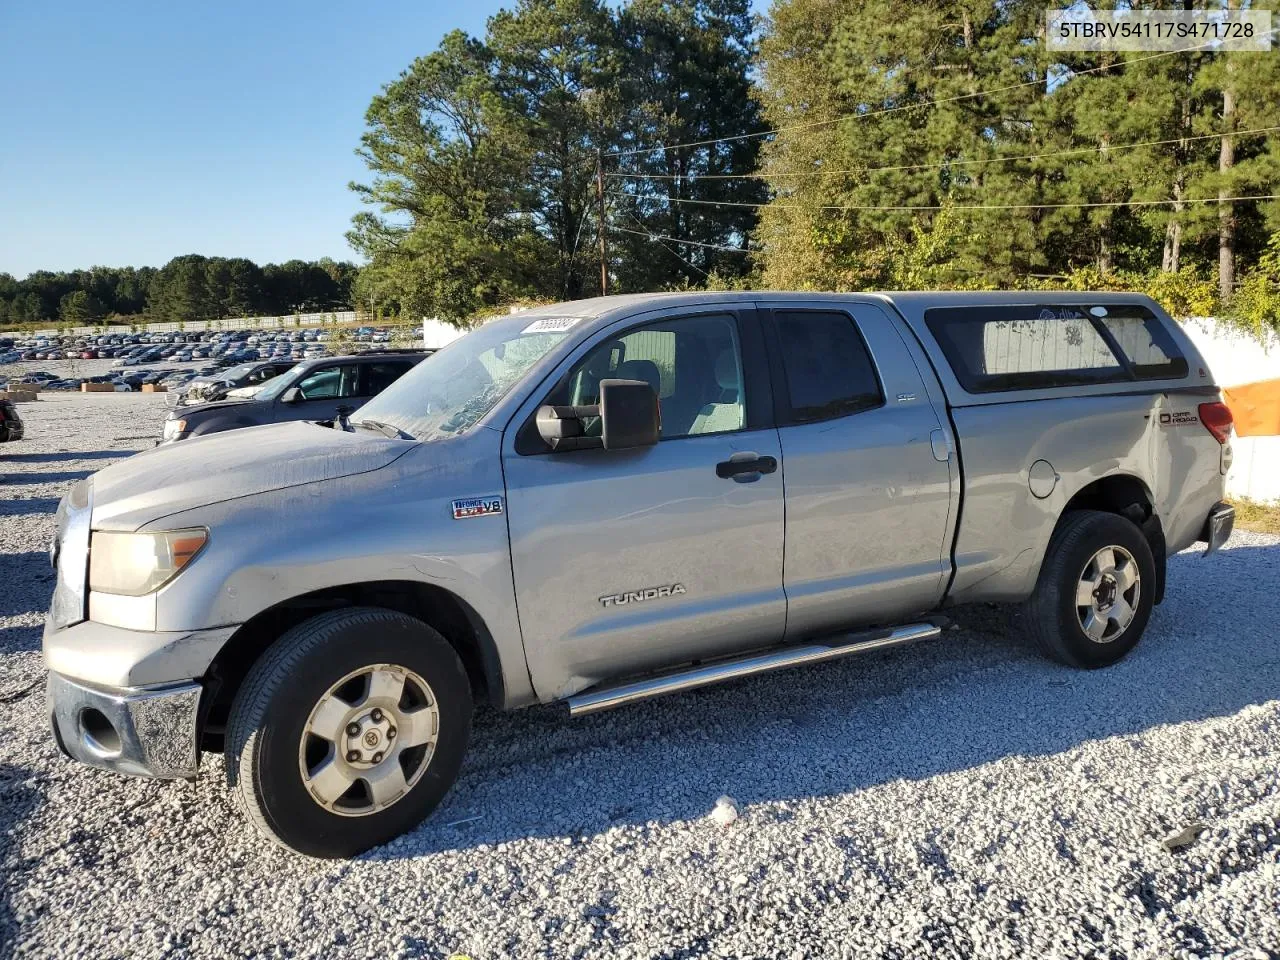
<point>1095,592</point>
<point>349,731</point>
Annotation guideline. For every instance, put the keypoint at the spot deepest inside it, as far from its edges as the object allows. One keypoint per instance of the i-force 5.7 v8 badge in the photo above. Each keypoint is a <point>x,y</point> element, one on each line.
<point>637,596</point>
<point>476,507</point>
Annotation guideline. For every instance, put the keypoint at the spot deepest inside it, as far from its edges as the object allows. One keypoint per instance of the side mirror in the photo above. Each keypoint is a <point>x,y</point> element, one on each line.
<point>292,395</point>
<point>628,412</point>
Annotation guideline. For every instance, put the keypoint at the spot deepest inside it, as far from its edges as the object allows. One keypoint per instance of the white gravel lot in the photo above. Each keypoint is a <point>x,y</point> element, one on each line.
<point>956,799</point>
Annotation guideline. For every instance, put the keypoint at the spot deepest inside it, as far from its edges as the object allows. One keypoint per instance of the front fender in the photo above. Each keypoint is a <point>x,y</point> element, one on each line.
<point>395,523</point>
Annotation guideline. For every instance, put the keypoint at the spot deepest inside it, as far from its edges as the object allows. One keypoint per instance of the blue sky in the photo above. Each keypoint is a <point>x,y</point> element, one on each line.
<point>131,132</point>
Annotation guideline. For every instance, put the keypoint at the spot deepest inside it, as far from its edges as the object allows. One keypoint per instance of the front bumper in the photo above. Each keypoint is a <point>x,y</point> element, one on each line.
<point>140,731</point>
<point>107,657</point>
<point>1218,526</point>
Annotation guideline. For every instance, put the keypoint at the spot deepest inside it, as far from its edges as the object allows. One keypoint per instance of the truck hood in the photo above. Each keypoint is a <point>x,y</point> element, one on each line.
<point>226,466</point>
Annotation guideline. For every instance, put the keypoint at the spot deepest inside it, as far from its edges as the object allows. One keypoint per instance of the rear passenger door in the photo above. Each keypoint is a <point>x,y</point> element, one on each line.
<point>867,469</point>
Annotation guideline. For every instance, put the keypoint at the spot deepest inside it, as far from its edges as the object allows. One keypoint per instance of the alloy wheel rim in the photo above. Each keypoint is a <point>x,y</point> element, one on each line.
<point>369,740</point>
<point>1107,594</point>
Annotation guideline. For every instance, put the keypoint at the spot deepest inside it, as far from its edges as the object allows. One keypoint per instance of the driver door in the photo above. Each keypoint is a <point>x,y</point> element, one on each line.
<point>632,560</point>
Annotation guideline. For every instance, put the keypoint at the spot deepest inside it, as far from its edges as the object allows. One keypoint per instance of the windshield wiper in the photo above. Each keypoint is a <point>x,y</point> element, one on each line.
<point>387,430</point>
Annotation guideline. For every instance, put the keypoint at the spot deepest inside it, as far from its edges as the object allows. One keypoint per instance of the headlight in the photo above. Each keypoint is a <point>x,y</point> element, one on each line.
<point>135,564</point>
<point>69,555</point>
<point>174,429</point>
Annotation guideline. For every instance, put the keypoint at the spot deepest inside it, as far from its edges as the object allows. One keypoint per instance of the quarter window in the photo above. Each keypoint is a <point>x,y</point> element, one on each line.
<point>829,371</point>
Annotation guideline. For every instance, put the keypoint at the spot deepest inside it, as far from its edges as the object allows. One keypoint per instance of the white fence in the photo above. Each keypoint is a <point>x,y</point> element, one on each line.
<point>231,323</point>
<point>1235,358</point>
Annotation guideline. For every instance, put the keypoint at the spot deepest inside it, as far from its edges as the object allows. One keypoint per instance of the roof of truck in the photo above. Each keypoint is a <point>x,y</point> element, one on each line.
<point>913,300</point>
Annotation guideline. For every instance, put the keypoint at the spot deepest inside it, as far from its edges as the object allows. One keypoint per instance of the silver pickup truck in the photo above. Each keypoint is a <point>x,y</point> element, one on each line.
<point>603,501</point>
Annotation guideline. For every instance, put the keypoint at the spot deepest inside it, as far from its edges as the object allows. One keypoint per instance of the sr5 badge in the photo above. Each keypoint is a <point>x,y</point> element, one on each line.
<point>476,507</point>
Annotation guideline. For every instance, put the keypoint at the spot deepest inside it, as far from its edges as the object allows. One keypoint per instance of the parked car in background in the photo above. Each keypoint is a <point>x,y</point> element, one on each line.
<point>11,427</point>
<point>214,386</point>
<point>312,390</point>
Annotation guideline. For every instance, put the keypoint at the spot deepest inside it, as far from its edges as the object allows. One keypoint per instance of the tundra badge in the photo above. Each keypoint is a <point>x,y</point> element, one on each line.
<point>637,596</point>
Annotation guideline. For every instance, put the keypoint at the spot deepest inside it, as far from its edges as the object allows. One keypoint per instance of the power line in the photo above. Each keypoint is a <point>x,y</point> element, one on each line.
<point>946,163</point>
<point>654,237</point>
<point>954,206</point>
<point>909,106</point>
<point>695,243</point>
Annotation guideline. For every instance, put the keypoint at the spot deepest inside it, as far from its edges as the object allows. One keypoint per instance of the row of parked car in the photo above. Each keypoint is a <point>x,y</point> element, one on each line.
<point>179,347</point>
<point>123,382</point>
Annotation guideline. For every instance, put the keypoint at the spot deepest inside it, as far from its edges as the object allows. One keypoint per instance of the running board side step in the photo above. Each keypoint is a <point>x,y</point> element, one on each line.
<point>593,701</point>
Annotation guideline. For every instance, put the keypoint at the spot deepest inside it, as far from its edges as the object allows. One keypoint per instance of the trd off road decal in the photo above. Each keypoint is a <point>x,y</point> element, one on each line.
<point>476,507</point>
<point>1178,418</point>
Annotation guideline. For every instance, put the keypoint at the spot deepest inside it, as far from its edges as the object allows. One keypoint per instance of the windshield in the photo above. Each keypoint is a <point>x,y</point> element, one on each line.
<point>236,372</point>
<point>448,392</point>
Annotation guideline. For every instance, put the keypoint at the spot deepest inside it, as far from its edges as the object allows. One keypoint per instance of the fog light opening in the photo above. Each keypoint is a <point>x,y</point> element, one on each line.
<point>99,734</point>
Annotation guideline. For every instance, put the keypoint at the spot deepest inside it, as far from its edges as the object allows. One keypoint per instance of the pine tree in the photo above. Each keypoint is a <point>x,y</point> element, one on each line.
<point>687,79</point>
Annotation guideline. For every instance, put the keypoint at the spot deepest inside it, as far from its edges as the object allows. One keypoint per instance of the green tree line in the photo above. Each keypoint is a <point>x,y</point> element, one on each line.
<point>483,156</point>
<point>189,287</point>
<point>955,104</point>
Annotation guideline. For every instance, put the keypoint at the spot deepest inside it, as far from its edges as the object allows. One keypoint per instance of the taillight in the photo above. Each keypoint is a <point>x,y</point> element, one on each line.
<point>1216,418</point>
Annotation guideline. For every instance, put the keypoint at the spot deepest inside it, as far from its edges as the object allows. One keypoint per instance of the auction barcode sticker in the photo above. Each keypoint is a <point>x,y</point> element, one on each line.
<point>1082,29</point>
<point>551,325</point>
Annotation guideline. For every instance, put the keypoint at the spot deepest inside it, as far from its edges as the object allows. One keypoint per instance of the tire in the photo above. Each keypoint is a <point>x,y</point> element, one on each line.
<point>336,673</point>
<point>1060,627</point>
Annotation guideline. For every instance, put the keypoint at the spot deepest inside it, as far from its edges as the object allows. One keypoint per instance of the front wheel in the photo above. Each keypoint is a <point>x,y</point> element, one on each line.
<point>348,731</point>
<point>1095,592</point>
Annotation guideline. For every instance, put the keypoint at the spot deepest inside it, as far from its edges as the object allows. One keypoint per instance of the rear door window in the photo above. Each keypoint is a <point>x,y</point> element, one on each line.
<point>379,376</point>
<point>829,371</point>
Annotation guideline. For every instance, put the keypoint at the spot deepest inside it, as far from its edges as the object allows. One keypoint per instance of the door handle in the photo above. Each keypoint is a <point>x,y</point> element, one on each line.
<point>740,465</point>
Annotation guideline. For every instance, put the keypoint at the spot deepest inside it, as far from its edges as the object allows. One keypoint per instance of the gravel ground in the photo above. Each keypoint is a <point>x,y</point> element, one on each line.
<point>961,798</point>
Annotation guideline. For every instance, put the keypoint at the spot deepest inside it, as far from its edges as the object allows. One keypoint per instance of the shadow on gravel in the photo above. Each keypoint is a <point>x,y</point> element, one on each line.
<point>853,724</point>
<point>21,639</point>
<point>14,508</point>
<point>26,582</point>
<point>68,455</point>
<point>59,476</point>
<point>17,802</point>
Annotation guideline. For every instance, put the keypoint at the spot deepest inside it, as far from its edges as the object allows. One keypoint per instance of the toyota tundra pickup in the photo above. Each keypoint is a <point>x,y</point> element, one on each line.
<point>603,501</point>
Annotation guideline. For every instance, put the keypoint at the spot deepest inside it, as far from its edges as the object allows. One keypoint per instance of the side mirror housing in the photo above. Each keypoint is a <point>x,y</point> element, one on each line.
<point>292,395</point>
<point>629,415</point>
<point>628,412</point>
<point>562,428</point>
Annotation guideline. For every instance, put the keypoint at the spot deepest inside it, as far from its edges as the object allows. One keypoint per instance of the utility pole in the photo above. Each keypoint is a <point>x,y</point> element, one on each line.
<point>604,253</point>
